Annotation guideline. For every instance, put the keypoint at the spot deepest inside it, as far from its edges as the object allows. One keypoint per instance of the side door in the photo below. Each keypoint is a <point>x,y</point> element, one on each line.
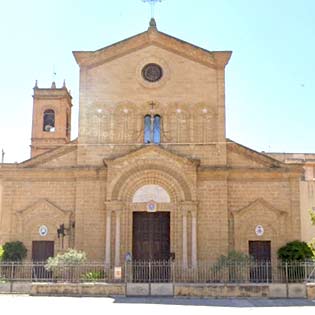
<point>41,251</point>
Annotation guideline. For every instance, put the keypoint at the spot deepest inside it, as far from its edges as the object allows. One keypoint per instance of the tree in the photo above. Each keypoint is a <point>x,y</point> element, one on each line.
<point>14,251</point>
<point>311,244</point>
<point>295,251</point>
<point>312,215</point>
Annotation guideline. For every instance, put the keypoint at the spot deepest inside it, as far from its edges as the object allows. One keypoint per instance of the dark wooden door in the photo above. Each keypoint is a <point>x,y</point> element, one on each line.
<point>151,247</point>
<point>261,270</point>
<point>151,236</point>
<point>260,250</point>
<point>41,250</point>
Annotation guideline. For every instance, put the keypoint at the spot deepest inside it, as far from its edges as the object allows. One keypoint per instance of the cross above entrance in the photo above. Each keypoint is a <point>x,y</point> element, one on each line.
<point>152,5</point>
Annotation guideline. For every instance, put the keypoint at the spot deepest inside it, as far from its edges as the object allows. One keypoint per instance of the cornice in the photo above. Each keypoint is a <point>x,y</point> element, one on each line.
<point>243,173</point>
<point>54,174</point>
<point>146,150</point>
<point>89,59</point>
<point>49,155</point>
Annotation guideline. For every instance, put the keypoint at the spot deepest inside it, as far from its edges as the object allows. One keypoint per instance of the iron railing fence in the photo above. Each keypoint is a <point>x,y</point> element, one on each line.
<point>73,273</point>
<point>162,271</point>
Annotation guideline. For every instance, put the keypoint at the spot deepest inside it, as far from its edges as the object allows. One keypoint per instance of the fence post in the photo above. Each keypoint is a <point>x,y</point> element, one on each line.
<point>287,278</point>
<point>11,277</point>
<point>149,277</point>
<point>126,275</point>
<point>173,275</point>
<point>267,271</point>
<point>305,271</point>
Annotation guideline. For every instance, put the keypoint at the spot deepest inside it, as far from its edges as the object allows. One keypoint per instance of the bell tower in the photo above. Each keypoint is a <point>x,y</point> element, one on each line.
<point>51,125</point>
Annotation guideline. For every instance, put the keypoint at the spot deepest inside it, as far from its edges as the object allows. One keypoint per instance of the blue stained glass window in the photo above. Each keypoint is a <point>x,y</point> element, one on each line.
<point>157,129</point>
<point>147,129</point>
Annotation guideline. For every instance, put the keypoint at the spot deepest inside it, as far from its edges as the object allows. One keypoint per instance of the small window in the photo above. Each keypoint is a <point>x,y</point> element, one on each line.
<point>147,129</point>
<point>49,121</point>
<point>157,129</point>
<point>152,129</point>
<point>68,126</point>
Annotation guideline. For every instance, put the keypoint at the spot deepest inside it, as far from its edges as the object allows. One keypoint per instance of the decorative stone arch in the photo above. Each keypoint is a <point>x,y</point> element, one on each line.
<point>151,178</point>
<point>181,191</point>
<point>150,192</point>
<point>174,183</point>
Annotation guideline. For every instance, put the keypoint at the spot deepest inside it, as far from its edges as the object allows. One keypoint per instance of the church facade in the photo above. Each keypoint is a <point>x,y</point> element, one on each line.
<point>151,173</point>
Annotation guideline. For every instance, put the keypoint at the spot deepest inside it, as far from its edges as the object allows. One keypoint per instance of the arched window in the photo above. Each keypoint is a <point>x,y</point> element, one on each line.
<point>152,129</point>
<point>68,125</point>
<point>156,129</point>
<point>49,120</point>
<point>147,129</point>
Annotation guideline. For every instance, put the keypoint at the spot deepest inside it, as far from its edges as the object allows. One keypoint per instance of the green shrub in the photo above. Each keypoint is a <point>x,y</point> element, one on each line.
<point>230,267</point>
<point>294,253</point>
<point>66,266</point>
<point>312,216</point>
<point>234,257</point>
<point>311,245</point>
<point>93,276</point>
<point>70,257</point>
<point>14,251</point>
<point>296,250</point>
<point>1,253</point>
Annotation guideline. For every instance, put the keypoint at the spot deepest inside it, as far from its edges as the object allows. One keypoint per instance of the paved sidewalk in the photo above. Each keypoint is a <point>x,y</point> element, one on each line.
<point>22,304</point>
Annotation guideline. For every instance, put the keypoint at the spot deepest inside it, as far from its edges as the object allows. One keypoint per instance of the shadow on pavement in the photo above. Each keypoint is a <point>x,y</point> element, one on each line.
<point>228,302</point>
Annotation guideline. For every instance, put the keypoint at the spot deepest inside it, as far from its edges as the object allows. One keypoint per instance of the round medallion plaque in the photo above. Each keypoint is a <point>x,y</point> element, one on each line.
<point>259,230</point>
<point>43,230</point>
<point>151,206</point>
<point>152,72</point>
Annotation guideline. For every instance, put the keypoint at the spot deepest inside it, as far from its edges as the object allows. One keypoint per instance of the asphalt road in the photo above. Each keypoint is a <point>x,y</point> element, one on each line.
<point>22,304</point>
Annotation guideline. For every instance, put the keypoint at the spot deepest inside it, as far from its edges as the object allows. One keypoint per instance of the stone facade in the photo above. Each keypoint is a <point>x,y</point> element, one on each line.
<point>218,191</point>
<point>307,188</point>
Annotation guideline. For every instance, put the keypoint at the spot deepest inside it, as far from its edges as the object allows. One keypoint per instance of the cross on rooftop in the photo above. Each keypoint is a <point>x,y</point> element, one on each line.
<point>152,5</point>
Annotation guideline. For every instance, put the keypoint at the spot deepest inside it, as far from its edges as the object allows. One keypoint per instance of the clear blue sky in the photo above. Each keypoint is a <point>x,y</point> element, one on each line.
<point>270,80</point>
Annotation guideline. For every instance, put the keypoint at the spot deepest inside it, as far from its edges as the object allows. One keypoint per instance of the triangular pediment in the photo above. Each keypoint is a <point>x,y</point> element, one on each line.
<point>241,156</point>
<point>152,36</point>
<point>153,153</point>
<point>44,206</point>
<point>62,156</point>
<point>260,205</point>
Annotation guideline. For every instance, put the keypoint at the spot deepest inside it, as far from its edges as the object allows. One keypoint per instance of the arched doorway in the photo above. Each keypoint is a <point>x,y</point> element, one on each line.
<point>130,193</point>
<point>151,228</point>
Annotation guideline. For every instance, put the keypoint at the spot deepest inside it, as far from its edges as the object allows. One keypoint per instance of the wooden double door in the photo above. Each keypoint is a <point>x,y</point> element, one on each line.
<point>151,236</point>
<point>151,247</point>
<point>260,251</point>
<point>41,251</point>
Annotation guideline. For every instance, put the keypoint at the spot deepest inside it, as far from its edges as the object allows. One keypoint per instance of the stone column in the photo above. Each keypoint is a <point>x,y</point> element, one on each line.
<point>117,239</point>
<point>194,239</point>
<point>108,238</point>
<point>185,257</point>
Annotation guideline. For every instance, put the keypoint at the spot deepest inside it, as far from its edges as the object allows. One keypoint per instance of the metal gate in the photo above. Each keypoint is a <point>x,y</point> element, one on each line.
<point>149,278</point>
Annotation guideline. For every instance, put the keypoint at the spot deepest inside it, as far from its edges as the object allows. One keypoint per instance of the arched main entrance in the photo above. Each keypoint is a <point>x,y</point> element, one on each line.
<point>170,228</point>
<point>151,228</point>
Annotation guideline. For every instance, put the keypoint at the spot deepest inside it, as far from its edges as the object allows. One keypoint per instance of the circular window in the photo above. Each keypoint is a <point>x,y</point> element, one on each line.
<point>152,72</point>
